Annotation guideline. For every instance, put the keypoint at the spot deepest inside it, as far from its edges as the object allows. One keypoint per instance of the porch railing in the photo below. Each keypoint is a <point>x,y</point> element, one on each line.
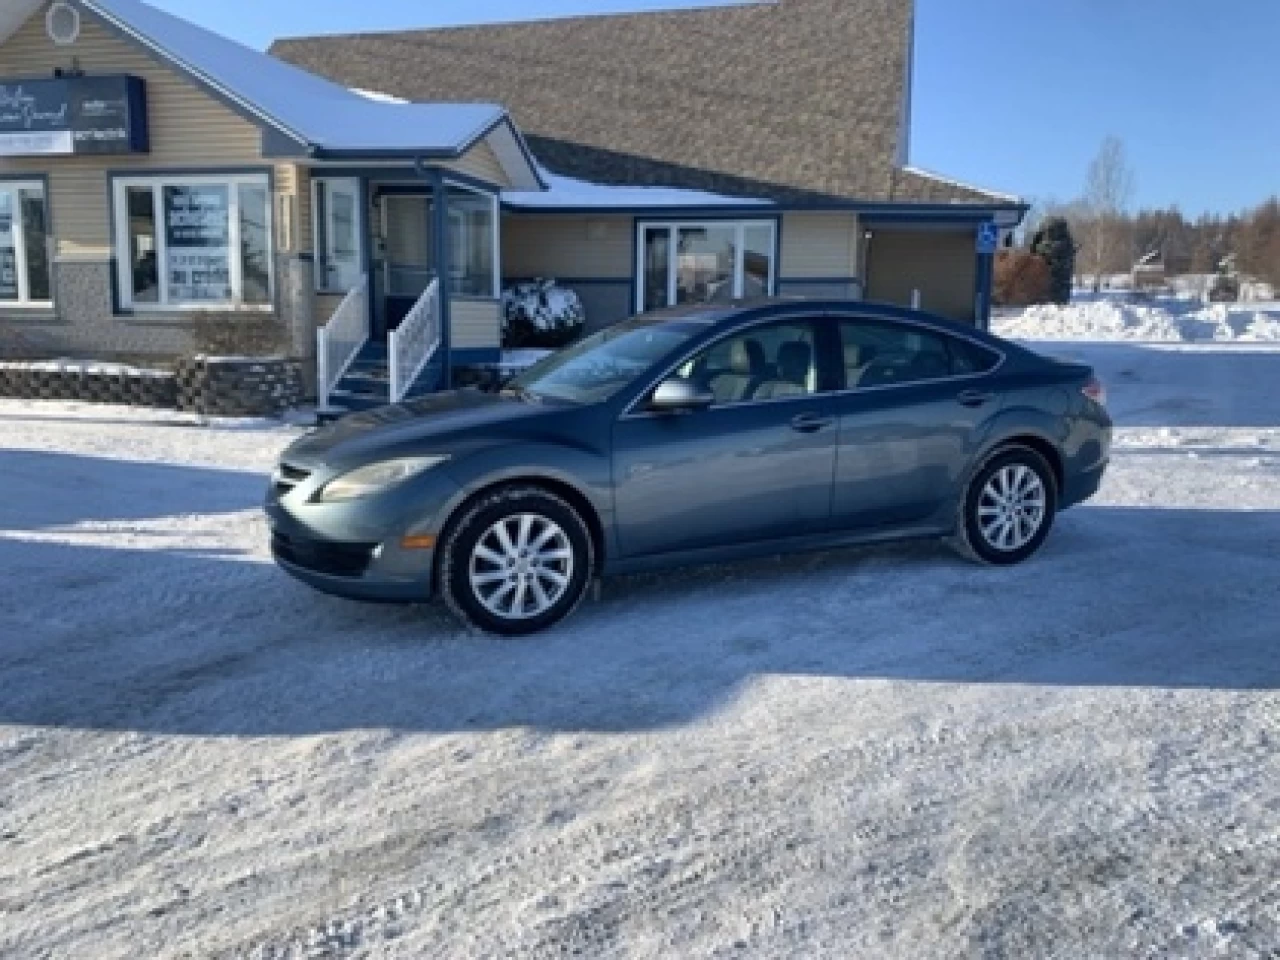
<point>414,342</point>
<point>340,340</point>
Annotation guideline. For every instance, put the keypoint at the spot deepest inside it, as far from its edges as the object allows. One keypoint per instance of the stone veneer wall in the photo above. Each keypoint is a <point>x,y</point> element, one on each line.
<point>220,387</point>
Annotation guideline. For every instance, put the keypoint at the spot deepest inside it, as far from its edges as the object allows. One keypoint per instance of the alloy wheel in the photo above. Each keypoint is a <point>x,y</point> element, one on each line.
<point>521,566</point>
<point>1012,507</point>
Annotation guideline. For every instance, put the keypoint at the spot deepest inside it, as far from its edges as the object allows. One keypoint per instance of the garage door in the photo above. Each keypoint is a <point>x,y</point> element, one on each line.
<point>941,265</point>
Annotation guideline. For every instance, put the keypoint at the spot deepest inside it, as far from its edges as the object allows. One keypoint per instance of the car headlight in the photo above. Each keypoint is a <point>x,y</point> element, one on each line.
<point>374,478</point>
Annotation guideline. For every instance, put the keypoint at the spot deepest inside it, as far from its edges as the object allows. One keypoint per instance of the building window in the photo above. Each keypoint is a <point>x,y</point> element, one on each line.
<point>24,245</point>
<point>473,242</point>
<point>194,242</point>
<point>338,226</point>
<point>712,262</point>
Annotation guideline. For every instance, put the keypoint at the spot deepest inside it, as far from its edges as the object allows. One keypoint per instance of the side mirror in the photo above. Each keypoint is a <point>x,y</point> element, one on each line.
<point>677,394</point>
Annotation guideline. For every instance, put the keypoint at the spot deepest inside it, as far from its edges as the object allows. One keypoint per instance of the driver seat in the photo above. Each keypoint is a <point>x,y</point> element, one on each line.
<point>747,367</point>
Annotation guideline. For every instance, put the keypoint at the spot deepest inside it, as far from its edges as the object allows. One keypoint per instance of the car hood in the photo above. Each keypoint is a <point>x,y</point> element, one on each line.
<point>441,416</point>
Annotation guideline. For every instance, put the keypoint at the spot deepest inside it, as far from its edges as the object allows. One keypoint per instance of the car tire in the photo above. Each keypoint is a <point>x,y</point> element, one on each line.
<point>517,560</point>
<point>1008,508</point>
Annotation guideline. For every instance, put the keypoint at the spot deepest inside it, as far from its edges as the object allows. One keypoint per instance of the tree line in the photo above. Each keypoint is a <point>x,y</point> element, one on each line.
<point>1097,234</point>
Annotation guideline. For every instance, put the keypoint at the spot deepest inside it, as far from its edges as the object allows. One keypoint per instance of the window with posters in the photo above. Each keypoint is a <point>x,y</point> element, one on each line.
<point>194,242</point>
<point>24,245</point>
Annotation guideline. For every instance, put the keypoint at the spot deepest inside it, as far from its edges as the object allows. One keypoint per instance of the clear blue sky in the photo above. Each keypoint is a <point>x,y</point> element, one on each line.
<point>1012,95</point>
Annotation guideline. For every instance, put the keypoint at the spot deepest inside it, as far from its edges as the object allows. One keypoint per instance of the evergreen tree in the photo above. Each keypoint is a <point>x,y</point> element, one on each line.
<point>1053,242</point>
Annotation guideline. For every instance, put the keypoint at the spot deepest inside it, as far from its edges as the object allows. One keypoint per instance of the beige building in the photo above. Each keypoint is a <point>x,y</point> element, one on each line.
<point>153,174</point>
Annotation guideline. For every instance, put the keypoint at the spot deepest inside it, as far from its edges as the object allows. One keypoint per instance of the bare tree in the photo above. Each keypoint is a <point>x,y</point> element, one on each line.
<point>1108,189</point>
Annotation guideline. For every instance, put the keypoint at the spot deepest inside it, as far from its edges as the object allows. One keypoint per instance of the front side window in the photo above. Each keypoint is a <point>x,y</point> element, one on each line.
<point>24,245</point>
<point>716,262</point>
<point>764,363</point>
<point>197,242</point>
<point>885,354</point>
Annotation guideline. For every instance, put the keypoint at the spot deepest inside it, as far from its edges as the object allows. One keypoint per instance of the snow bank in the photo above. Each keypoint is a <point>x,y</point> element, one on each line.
<point>1165,320</point>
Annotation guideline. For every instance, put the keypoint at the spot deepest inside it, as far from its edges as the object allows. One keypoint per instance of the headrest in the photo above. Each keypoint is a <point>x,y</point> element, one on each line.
<point>794,358</point>
<point>746,357</point>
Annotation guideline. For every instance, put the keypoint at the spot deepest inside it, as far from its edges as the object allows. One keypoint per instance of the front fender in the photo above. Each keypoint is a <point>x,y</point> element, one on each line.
<point>585,471</point>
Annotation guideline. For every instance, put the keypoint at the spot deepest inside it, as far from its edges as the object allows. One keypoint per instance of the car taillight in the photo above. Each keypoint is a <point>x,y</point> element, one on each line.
<point>1095,391</point>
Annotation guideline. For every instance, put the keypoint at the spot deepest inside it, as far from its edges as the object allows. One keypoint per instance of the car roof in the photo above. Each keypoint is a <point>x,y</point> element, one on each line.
<point>738,312</point>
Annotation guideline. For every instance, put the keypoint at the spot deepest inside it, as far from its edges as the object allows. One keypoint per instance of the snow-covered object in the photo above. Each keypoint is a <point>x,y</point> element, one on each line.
<point>87,367</point>
<point>1168,319</point>
<point>568,192</point>
<point>319,112</point>
<point>540,313</point>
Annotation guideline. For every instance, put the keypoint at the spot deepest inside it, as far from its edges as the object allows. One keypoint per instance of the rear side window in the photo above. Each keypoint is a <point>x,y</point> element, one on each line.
<point>970,357</point>
<point>884,354</point>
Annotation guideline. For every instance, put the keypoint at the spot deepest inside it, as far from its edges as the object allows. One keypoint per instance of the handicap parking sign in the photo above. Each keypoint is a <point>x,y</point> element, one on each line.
<point>988,238</point>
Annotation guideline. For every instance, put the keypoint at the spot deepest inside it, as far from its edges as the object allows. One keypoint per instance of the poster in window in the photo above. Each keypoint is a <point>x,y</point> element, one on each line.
<point>8,254</point>
<point>198,233</point>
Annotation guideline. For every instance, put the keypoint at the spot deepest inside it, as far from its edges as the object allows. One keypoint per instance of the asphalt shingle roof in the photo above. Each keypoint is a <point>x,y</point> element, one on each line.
<point>794,99</point>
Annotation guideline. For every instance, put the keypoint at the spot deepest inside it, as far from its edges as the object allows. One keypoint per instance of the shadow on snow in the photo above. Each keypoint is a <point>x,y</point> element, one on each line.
<point>96,637</point>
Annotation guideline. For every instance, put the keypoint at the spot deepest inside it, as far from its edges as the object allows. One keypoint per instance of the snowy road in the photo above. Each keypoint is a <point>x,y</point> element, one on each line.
<point>865,754</point>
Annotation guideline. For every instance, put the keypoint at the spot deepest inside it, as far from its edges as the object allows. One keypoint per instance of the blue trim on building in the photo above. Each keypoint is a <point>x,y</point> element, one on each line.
<point>984,285</point>
<point>466,180</point>
<point>885,212</point>
<point>440,210</point>
<point>466,356</point>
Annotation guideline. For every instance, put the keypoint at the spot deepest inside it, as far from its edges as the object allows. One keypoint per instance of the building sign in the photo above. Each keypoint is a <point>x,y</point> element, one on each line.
<point>73,116</point>
<point>988,238</point>
<point>198,234</point>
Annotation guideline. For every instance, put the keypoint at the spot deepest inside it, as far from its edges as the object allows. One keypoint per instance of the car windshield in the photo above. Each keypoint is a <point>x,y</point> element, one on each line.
<point>598,367</point>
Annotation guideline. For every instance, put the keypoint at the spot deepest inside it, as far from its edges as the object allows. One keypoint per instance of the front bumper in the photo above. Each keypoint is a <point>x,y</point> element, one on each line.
<point>355,549</point>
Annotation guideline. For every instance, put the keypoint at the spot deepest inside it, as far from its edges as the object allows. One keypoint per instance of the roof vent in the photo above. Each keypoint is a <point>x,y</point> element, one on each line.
<point>63,23</point>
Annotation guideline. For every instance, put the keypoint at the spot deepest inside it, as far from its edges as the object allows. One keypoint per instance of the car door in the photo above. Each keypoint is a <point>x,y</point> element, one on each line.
<point>910,419</point>
<point>756,465</point>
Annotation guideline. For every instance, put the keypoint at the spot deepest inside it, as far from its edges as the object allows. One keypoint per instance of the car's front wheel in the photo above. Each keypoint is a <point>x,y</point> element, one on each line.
<point>1008,509</point>
<point>517,561</point>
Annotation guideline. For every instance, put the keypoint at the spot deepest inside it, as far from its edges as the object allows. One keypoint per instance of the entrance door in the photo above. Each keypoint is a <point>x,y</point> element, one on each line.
<point>941,264</point>
<point>407,267</point>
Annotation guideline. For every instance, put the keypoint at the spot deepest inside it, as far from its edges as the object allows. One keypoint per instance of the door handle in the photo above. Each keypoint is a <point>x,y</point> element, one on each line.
<point>811,422</point>
<point>974,398</point>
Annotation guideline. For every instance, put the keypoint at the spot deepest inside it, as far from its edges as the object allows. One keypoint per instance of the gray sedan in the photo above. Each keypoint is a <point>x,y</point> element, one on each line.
<point>692,436</point>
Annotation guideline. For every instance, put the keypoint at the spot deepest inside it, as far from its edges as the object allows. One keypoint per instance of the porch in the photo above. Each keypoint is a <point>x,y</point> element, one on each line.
<point>407,274</point>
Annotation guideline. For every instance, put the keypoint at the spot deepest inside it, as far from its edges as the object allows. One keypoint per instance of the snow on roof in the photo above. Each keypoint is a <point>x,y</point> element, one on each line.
<point>378,96</point>
<point>315,111</point>
<point>569,192</point>
<point>952,181</point>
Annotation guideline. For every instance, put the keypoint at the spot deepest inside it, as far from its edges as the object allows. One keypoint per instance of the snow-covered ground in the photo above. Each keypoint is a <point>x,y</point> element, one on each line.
<point>881,753</point>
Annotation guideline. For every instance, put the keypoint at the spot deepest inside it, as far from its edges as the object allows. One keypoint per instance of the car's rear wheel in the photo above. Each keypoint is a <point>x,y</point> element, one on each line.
<point>1008,509</point>
<point>517,561</point>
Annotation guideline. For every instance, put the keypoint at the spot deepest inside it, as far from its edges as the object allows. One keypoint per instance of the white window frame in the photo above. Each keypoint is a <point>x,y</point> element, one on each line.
<point>321,257</point>
<point>495,213</point>
<point>673,228</point>
<point>124,266</point>
<point>15,188</point>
